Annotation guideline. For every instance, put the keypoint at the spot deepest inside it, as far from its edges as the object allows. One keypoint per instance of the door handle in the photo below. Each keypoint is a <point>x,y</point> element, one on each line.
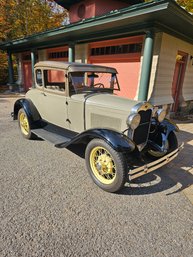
<point>68,121</point>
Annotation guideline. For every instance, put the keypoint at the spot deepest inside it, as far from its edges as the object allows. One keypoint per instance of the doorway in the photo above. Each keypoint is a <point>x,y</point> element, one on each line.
<point>178,79</point>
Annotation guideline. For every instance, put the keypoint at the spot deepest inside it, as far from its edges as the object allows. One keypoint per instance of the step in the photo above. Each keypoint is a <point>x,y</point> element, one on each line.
<point>54,135</point>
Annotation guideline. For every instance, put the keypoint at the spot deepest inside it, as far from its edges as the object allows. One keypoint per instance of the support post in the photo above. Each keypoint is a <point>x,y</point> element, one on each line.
<point>19,71</point>
<point>146,67</point>
<point>71,52</point>
<point>33,61</point>
<point>10,71</point>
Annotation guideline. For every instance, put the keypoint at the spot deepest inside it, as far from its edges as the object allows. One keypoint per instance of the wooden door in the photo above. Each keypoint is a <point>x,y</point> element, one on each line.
<point>178,79</point>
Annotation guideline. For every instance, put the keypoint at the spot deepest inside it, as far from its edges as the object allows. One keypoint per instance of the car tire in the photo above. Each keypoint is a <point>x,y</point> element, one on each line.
<point>24,125</point>
<point>172,143</point>
<point>107,167</point>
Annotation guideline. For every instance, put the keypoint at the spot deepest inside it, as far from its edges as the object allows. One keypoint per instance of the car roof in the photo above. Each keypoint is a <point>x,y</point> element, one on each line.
<point>74,66</point>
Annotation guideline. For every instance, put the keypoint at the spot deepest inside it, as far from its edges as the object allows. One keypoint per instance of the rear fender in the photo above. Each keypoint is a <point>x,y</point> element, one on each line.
<point>30,110</point>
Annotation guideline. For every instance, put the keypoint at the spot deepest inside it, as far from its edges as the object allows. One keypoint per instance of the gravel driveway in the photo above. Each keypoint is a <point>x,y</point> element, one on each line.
<point>50,207</point>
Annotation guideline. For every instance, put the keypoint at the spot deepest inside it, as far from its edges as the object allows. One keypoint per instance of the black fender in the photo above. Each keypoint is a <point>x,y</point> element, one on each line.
<point>168,126</point>
<point>116,140</point>
<point>30,110</point>
<point>165,127</point>
<point>160,132</point>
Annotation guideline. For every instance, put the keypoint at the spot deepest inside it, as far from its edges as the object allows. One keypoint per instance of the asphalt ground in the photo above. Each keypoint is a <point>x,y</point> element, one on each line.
<point>50,207</point>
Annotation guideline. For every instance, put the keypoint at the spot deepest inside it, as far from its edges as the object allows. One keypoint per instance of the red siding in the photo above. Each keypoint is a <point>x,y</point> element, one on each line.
<point>89,10</point>
<point>103,7</point>
<point>94,8</point>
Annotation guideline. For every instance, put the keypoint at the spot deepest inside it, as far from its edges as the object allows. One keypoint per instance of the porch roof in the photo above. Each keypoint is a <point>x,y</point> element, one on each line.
<point>158,15</point>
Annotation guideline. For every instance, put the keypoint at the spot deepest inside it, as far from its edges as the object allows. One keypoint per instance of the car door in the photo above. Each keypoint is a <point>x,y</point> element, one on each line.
<point>52,100</point>
<point>75,112</point>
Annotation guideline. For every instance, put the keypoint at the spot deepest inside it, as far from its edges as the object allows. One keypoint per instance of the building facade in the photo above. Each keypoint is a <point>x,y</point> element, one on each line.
<point>150,45</point>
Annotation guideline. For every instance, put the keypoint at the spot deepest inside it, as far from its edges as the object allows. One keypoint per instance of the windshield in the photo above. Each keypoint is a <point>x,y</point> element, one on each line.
<point>93,81</point>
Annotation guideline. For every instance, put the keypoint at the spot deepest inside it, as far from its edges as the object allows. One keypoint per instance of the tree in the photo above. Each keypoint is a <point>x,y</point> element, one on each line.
<point>22,18</point>
<point>19,18</point>
<point>7,12</point>
<point>188,4</point>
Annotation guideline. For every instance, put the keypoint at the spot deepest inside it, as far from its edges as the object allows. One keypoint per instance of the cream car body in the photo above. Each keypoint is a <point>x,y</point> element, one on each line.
<point>75,106</point>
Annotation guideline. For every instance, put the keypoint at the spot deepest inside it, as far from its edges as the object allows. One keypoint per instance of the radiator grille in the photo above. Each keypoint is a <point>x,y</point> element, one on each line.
<point>141,133</point>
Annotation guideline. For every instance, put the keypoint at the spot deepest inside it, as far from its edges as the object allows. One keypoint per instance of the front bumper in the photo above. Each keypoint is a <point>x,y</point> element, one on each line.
<point>142,170</point>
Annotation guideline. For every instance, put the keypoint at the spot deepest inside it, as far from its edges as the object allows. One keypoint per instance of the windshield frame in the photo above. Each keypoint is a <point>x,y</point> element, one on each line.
<point>83,84</point>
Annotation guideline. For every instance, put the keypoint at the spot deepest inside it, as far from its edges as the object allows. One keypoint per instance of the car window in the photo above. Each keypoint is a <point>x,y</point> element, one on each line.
<point>93,81</point>
<point>55,80</point>
<point>38,77</point>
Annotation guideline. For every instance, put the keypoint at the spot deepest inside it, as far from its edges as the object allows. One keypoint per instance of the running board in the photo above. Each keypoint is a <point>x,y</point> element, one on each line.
<point>54,135</point>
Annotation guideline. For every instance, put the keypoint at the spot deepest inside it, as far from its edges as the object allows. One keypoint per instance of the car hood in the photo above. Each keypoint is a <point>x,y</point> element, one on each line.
<point>111,101</point>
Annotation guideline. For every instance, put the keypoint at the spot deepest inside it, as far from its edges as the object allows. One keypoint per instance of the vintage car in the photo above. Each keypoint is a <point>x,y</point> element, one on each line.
<point>77,106</point>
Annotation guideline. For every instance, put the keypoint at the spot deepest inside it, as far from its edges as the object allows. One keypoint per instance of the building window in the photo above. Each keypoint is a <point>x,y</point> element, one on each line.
<point>58,55</point>
<point>118,49</point>
<point>27,57</point>
<point>81,11</point>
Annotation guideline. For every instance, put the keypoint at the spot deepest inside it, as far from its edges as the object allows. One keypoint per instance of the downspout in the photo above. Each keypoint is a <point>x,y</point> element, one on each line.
<point>33,61</point>
<point>146,67</point>
<point>71,52</point>
<point>10,71</point>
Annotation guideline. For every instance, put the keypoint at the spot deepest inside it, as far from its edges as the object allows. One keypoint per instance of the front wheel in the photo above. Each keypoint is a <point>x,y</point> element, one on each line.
<point>106,166</point>
<point>171,145</point>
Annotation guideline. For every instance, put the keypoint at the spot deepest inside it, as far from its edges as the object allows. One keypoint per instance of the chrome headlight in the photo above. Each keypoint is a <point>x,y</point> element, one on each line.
<point>133,121</point>
<point>161,114</point>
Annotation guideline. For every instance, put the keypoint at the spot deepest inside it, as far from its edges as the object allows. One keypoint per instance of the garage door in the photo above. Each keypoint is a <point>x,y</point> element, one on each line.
<point>124,55</point>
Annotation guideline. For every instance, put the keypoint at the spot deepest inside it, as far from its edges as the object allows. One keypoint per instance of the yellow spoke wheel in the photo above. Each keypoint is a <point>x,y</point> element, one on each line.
<point>103,165</point>
<point>24,124</point>
<point>106,166</point>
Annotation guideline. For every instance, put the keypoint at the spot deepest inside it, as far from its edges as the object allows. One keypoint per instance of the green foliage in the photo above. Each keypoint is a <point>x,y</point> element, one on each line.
<point>188,4</point>
<point>3,68</point>
<point>20,18</point>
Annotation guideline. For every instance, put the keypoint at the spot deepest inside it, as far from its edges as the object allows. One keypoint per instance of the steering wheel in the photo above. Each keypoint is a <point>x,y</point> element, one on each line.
<point>99,85</point>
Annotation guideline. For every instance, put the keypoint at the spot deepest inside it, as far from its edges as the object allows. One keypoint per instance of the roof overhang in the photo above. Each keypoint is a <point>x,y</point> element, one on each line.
<point>159,16</point>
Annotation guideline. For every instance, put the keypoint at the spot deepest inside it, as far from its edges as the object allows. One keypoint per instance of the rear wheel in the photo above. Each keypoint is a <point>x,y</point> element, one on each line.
<point>24,124</point>
<point>106,166</point>
<point>171,145</point>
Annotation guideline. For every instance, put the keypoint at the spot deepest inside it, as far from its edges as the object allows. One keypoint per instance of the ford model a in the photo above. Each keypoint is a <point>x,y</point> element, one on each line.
<point>76,106</point>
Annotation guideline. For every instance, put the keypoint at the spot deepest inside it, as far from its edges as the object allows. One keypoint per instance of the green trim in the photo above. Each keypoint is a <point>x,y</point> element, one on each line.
<point>71,52</point>
<point>33,61</point>
<point>146,67</point>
